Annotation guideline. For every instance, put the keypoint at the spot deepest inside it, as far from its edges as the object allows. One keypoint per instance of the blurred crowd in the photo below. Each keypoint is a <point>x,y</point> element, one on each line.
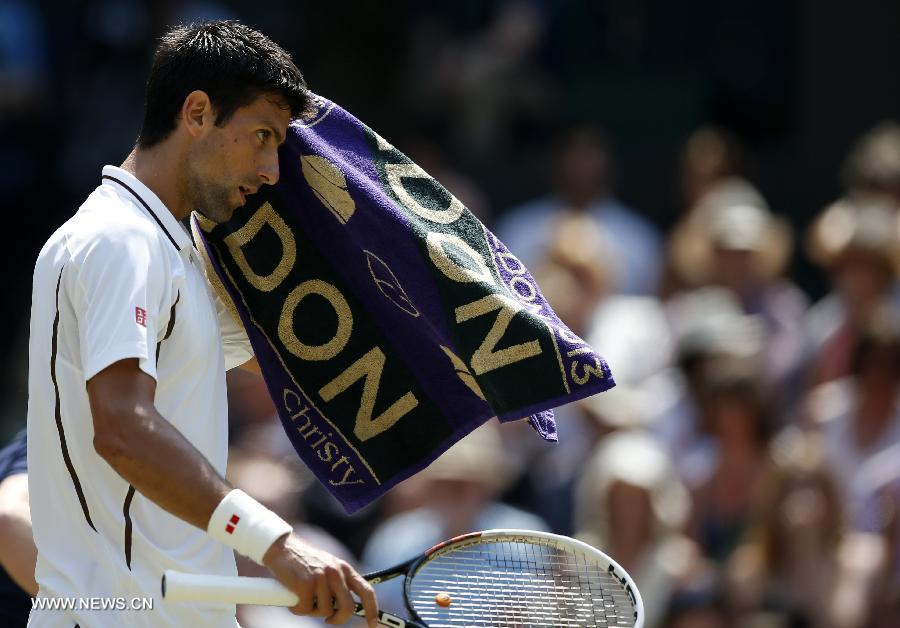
<point>745,469</point>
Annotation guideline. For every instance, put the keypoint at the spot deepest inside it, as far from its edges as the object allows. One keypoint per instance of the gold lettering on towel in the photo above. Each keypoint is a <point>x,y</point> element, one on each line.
<point>388,284</point>
<point>324,445</point>
<point>463,372</point>
<point>329,185</point>
<point>341,308</point>
<point>485,358</point>
<point>265,215</point>
<point>369,368</point>
<point>383,144</point>
<point>452,267</point>
<point>586,371</point>
<point>395,175</point>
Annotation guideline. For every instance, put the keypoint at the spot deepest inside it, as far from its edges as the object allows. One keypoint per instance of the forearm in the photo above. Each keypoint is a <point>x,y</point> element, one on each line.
<point>18,553</point>
<point>160,463</point>
<point>155,458</point>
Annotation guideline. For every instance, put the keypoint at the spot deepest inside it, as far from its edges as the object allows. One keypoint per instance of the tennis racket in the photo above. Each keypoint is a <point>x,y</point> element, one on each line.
<point>481,579</point>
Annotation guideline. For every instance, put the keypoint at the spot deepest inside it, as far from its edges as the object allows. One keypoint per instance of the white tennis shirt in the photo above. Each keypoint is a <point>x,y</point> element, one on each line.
<point>121,279</point>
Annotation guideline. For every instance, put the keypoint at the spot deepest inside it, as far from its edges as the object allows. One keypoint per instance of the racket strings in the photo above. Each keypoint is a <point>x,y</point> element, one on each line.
<point>513,583</point>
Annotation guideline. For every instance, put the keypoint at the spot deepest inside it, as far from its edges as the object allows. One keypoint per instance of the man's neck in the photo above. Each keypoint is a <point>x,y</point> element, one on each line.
<point>158,169</point>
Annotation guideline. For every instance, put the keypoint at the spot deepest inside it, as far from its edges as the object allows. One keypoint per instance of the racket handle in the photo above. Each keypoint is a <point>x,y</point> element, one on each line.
<point>178,586</point>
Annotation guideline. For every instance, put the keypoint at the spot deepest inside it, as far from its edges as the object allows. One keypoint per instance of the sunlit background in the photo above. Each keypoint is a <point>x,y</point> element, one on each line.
<point>706,190</point>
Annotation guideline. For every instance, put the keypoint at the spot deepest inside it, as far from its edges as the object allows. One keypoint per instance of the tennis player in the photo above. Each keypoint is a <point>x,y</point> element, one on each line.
<point>127,425</point>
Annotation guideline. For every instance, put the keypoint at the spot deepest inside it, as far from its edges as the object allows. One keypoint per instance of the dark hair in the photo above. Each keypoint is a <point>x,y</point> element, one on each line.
<point>742,380</point>
<point>231,62</point>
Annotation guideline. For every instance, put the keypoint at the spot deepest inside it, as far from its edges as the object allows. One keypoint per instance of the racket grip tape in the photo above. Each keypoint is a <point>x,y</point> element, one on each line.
<point>188,587</point>
<point>178,586</point>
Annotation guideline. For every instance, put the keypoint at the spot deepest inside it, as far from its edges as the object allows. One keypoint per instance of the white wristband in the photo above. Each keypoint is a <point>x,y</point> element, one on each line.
<point>241,522</point>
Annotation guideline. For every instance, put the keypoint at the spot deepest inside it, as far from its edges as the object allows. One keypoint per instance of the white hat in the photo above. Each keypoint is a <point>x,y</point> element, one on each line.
<point>731,216</point>
<point>636,458</point>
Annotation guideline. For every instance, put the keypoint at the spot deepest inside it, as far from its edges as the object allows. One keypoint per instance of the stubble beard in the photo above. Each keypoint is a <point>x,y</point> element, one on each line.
<point>211,200</point>
<point>214,205</point>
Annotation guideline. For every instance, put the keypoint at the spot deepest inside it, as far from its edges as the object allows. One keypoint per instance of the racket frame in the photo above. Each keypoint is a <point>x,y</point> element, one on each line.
<point>410,567</point>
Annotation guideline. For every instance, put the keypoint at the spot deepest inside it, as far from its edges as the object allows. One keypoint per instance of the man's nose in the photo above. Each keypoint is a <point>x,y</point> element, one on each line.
<point>268,171</point>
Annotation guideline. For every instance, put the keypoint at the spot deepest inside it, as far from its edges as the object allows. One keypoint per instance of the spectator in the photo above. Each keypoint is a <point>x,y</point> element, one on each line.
<point>858,242</point>
<point>711,160</point>
<point>630,503</point>
<point>860,415</point>
<point>744,248</point>
<point>738,412</point>
<point>584,185</point>
<point>797,562</point>
<point>873,166</point>
<point>708,329</point>
<point>730,242</point>
<point>577,271</point>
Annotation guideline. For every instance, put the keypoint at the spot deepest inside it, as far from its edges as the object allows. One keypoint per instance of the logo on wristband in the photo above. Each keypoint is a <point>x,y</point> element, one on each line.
<point>232,522</point>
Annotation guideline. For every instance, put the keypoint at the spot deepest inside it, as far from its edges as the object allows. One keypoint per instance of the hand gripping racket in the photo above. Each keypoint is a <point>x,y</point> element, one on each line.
<point>482,579</point>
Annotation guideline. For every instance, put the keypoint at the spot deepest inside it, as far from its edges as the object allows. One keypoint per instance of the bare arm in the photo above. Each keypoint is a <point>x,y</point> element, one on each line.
<point>155,458</point>
<point>17,551</point>
<point>146,450</point>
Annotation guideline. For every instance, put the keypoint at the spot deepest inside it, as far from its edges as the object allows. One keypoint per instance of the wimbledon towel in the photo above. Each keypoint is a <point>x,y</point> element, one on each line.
<point>387,320</point>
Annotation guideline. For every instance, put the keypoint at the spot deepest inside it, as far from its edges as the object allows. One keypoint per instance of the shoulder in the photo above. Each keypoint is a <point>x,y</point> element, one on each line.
<point>109,220</point>
<point>110,231</point>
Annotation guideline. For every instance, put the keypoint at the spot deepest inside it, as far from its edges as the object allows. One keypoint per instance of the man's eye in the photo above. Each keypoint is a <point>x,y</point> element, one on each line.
<point>263,135</point>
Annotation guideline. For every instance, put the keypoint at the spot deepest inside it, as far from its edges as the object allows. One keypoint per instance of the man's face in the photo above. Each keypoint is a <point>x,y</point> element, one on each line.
<point>230,162</point>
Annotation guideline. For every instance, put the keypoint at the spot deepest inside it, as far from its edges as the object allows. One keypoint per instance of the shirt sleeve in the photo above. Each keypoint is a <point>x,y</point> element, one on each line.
<point>235,343</point>
<point>121,300</point>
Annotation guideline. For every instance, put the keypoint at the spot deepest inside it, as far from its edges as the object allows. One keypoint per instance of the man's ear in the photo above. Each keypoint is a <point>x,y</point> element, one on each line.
<point>197,113</point>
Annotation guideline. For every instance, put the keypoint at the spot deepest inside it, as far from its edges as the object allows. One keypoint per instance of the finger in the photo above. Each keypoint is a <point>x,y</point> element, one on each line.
<point>343,601</point>
<point>305,593</point>
<point>366,594</point>
<point>322,607</point>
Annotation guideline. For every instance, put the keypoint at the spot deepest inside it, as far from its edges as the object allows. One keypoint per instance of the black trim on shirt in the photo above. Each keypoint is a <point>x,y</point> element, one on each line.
<point>59,425</point>
<point>169,327</point>
<point>146,206</point>
<point>128,525</point>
